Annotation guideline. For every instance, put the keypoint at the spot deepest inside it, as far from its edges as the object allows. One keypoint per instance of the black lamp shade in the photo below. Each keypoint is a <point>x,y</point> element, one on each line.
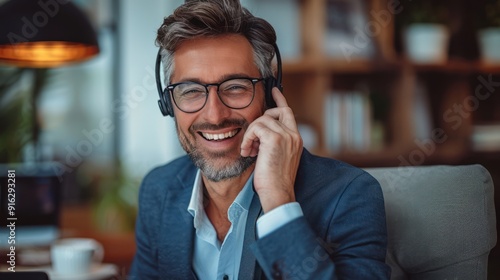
<point>45,33</point>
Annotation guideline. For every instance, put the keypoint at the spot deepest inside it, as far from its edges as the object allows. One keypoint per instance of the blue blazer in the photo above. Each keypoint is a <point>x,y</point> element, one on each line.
<point>342,234</point>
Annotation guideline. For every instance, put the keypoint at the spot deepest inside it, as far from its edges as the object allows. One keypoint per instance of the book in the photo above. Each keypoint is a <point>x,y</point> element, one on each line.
<point>348,35</point>
<point>348,121</point>
<point>486,137</point>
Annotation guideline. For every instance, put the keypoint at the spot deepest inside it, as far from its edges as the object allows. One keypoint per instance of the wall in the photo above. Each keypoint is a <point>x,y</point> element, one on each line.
<point>147,138</point>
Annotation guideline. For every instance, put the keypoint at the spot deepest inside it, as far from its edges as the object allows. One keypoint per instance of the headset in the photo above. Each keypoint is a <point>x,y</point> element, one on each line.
<point>167,108</point>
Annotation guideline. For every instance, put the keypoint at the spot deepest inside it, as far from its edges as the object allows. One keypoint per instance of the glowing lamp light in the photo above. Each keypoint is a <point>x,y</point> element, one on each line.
<point>45,34</point>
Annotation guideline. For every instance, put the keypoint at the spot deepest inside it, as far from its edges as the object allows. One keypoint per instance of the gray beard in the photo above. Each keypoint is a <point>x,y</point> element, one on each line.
<point>212,173</point>
<point>207,164</point>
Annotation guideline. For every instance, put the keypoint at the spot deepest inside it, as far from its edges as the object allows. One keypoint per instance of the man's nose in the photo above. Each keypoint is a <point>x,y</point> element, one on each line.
<point>215,110</point>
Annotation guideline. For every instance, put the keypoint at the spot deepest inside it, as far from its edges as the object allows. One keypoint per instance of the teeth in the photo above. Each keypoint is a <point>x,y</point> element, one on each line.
<point>219,136</point>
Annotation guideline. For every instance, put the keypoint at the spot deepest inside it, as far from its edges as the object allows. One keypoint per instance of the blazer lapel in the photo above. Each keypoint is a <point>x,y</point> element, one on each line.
<point>248,268</point>
<point>175,252</point>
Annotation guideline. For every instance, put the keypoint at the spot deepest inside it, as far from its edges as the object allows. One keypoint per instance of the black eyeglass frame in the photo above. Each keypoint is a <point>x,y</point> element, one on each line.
<point>252,80</point>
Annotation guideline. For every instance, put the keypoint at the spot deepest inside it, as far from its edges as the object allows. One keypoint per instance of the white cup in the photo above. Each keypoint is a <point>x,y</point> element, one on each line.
<point>72,256</point>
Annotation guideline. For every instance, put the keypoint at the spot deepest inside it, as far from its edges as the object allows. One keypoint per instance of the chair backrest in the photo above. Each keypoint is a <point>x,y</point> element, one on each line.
<point>440,219</point>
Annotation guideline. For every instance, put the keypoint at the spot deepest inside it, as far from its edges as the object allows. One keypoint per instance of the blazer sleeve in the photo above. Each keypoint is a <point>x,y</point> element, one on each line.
<point>352,246</point>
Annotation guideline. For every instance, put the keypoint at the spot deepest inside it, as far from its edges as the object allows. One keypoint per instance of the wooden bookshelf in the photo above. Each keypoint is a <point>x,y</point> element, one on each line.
<point>309,78</point>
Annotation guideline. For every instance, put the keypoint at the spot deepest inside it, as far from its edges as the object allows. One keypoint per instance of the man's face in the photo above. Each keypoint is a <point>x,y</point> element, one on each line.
<point>213,60</point>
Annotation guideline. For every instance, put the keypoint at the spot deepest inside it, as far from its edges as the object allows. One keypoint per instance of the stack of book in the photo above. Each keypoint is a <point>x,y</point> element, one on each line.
<point>348,121</point>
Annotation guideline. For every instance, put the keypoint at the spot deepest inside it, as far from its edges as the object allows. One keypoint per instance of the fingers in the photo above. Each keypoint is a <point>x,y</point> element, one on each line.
<point>279,98</point>
<point>282,113</point>
<point>268,131</point>
<point>250,148</point>
<point>277,124</point>
<point>251,140</point>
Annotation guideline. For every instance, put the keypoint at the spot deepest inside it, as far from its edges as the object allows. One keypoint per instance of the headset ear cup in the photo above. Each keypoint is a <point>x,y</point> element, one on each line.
<point>162,107</point>
<point>270,82</point>
<point>165,104</point>
<point>170,109</point>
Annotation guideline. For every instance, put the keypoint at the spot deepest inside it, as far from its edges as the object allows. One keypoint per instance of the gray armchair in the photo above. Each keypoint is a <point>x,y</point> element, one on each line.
<point>440,219</point>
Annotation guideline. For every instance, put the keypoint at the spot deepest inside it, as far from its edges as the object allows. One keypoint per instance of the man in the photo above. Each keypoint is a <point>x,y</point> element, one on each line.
<point>248,202</point>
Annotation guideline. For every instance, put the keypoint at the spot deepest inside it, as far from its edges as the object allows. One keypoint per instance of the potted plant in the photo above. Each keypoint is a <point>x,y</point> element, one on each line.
<point>426,34</point>
<point>16,113</point>
<point>489,32</point>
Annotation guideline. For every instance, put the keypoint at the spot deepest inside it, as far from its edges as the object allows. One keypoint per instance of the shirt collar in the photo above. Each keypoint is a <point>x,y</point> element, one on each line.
<point>196,204</point>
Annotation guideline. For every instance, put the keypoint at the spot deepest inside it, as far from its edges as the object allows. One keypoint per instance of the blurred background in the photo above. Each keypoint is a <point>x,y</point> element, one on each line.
<point>372,82</point>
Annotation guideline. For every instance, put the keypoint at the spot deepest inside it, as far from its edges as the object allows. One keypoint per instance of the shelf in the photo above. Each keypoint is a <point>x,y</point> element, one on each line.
<point>337,66</point>
<point>300,66</point>
<point>481,156</point>
<point>396,81</point>
<point>359,66</point>
<point>341,66</point>
<point>451,67</point>
<point>487,68</point>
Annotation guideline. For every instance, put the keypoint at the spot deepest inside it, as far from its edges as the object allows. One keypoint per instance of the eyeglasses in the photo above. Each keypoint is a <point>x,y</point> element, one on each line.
<point>235,93</point>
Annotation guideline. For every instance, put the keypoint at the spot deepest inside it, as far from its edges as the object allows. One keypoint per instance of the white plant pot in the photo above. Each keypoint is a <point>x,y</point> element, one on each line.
<point>489,45</point>
<point>427,43</point>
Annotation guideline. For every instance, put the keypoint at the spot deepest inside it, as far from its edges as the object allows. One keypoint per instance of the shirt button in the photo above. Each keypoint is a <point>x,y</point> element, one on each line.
<point>225,277</point>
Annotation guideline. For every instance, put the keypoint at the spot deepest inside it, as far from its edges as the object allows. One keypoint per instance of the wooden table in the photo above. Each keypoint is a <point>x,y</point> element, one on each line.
<point>119,247</point>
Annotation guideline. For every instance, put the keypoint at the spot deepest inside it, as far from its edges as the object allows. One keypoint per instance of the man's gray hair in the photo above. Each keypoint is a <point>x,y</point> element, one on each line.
<point>212,18</point>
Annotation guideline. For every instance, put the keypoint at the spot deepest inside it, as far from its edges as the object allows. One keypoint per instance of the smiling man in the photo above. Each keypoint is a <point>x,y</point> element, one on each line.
<point>248,202</point>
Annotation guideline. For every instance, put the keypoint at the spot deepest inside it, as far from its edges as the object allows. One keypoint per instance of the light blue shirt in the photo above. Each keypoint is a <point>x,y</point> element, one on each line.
<point>213,260</point>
